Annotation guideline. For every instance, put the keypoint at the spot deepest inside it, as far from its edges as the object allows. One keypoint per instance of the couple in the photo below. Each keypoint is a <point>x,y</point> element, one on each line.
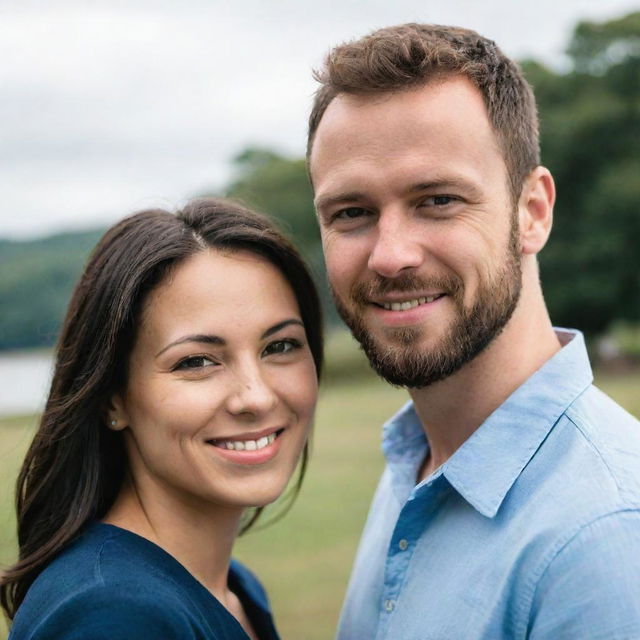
<point>187,372</point>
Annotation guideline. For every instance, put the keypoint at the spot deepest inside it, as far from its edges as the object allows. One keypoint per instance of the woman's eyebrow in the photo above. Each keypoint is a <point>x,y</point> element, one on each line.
<point>201,338</point>
<point>281,325</point>
<point>217,340</point>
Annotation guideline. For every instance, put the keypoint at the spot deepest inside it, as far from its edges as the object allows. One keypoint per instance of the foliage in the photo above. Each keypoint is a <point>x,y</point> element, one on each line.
<point>590,133</point>
<point>36,280</point>
<point>590,137</point>
<point>627,340</point>
<point>279,186</point>
<point>596,47</point>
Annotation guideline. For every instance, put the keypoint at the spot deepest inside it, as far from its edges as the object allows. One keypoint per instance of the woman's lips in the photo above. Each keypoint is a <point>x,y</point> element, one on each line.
<point>250,448</point>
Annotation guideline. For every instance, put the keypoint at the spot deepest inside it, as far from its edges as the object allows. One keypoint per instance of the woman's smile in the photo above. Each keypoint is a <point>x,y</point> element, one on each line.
<point>249,448</point>
<point>222,385</point>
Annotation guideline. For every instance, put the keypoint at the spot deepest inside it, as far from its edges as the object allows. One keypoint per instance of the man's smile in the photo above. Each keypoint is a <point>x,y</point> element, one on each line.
<point>409,303</point>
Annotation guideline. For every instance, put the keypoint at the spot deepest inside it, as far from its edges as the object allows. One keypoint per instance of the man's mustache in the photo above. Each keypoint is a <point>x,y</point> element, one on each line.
<point>363,292</point>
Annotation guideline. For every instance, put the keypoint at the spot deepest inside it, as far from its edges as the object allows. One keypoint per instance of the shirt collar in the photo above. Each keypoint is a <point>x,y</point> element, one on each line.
<point>404,445</point>
<point>487,465</point>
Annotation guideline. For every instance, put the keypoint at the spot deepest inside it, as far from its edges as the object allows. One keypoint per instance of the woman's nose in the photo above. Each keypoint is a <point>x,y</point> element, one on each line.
<point>251,395</point>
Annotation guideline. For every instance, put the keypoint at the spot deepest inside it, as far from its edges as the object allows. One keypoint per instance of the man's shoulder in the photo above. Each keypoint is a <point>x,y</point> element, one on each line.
<point>612,436</point>
<point>597,411</point>
<point>588,466</point>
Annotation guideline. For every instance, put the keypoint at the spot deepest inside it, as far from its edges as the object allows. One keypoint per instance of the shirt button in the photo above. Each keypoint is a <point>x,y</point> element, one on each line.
<point>403,544</point>
<point>389,605</point>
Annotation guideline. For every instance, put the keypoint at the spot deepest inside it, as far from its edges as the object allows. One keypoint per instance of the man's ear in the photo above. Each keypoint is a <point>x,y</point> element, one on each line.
<point>116,415</point>
<point>535,210</point>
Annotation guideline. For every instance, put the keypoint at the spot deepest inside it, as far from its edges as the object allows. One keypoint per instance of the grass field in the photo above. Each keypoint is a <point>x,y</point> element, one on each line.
<point>304,559</point>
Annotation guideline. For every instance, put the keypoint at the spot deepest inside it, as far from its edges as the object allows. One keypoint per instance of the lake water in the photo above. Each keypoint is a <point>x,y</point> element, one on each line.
<point>24,381</point>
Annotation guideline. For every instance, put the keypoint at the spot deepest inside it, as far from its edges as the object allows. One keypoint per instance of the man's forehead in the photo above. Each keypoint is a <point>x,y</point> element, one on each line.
<point>441,120</point>
<point>430,100</point>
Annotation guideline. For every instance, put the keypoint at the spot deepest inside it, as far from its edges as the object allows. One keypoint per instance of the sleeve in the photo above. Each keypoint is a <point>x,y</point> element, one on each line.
<point>591,587</point>
<point>102,614</point>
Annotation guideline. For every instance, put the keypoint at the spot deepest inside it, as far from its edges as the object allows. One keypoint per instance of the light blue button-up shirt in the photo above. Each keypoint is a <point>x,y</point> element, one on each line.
<point>530,530</point>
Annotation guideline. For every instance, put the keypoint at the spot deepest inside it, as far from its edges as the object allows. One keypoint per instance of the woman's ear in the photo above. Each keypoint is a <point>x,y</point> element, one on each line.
<point>116,415</point>
<point>535,210</point>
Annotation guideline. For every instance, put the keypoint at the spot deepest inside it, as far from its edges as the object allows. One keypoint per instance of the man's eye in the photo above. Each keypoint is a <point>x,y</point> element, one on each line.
<point>350,213</point>
<point>194,362</point>
<point>439,201</point>
<point>282,346</point>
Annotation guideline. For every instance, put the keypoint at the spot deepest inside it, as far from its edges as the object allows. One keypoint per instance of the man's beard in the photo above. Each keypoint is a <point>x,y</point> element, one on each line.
<point>398,359</point>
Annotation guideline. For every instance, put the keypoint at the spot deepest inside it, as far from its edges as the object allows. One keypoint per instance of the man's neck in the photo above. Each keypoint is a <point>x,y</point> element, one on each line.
<point>452,409</point>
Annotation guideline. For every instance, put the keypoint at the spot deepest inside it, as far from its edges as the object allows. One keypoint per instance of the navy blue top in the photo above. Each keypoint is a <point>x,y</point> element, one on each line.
<point>111,584</point>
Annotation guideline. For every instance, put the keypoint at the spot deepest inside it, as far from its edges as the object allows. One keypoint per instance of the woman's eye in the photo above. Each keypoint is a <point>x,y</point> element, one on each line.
<point>194,362</point>
<point>282,346</point>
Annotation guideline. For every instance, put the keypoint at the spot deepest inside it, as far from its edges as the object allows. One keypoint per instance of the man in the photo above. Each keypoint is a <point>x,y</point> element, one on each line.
<point>510,505</point>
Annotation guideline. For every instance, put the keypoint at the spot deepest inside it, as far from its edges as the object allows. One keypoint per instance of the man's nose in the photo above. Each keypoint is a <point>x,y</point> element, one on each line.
<point>251,393</point>
<point>396,247</point>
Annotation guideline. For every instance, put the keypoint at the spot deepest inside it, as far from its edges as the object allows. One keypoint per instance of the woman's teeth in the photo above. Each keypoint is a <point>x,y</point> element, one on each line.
<point>408,304</point>
<point>248,445</point>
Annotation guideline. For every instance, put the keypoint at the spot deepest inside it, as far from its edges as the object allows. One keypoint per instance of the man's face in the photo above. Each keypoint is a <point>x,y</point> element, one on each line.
<point>418,228</point>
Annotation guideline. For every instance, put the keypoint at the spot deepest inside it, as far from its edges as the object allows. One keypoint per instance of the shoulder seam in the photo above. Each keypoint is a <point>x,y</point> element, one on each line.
<point>98,565</point>
<point>570,416</point>
<point>154,570</point>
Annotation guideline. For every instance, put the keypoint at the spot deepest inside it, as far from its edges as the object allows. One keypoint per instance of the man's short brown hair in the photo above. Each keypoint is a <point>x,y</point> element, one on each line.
<point>410,55</point>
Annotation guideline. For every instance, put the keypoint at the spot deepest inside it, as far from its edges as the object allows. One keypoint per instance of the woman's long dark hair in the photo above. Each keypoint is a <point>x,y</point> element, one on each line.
<point>75,465</point>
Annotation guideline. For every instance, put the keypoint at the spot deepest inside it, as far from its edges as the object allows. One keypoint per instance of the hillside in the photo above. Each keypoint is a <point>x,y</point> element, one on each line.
<point>36,280</point>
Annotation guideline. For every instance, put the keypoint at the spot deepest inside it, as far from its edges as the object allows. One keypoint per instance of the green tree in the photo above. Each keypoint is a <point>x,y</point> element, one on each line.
<point>36,280</point>
<point>279,186</point>
<point>590,134</point>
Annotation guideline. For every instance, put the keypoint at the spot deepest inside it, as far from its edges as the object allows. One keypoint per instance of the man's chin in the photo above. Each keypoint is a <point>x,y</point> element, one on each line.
<point>401,355</point>
<point>403,337</point>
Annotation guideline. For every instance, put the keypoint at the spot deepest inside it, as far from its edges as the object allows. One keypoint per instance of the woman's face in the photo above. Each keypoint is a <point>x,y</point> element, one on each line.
<point>222,385</point>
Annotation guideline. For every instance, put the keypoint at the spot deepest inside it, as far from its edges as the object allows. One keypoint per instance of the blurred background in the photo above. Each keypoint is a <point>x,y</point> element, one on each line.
<point>108,108</point>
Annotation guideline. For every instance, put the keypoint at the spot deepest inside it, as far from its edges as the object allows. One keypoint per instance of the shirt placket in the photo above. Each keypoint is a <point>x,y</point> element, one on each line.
<point>413,520</point>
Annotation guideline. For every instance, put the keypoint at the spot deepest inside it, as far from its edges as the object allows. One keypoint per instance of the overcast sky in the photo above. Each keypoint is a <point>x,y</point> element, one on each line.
<point>109,107</point>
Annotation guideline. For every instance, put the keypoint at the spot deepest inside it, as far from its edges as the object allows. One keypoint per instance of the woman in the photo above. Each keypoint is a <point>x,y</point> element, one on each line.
<point>183,394</point>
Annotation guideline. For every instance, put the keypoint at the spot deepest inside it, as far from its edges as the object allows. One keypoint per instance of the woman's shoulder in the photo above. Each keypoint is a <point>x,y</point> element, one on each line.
<point>103,613</point>
<point>111,583</point>
<point>105,584</point>
<point>102,556</point>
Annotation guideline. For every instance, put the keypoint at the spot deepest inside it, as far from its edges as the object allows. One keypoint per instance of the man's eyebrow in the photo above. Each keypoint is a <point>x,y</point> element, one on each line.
<point>201,338</point>
<point>280,326</point>
<point>445,183</point>
<point>340,198</point>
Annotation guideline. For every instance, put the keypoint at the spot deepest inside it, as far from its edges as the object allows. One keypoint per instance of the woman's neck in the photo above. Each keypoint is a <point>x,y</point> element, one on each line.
<point>200,538</point>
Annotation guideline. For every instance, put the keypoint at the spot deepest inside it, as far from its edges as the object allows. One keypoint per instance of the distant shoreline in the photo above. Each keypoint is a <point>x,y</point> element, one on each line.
<point>26,376</point>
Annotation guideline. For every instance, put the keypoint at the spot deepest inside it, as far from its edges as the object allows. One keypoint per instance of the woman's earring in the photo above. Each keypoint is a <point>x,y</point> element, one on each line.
<point>114,423</point>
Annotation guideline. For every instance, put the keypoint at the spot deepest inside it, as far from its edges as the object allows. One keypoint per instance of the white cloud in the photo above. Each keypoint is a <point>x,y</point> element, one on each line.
<point>112,106</point>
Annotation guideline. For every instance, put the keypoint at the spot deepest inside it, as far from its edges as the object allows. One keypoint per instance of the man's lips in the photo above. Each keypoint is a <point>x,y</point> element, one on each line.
<point>405,302</point>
